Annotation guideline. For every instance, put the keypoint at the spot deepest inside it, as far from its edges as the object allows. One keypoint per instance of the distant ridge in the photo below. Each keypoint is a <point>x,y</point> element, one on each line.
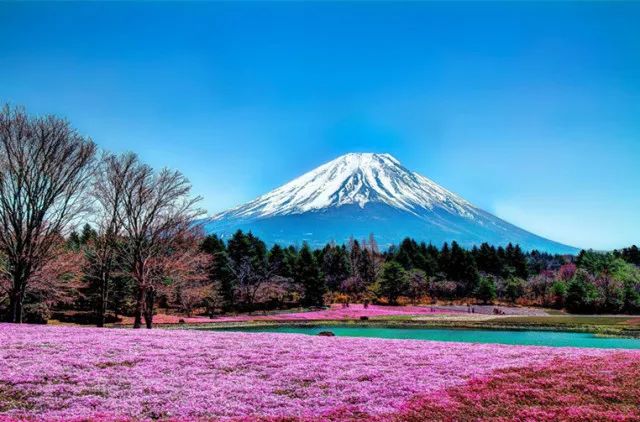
<point>361,193</point>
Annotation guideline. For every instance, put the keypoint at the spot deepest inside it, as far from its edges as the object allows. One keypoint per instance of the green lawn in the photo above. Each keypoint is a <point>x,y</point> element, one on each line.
<point>625,320</point>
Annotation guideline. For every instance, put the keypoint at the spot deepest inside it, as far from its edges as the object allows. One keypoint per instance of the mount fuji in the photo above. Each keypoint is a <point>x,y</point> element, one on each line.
<point>362,193</point>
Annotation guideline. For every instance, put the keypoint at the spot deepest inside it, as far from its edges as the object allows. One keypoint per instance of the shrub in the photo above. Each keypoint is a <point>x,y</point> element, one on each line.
<point>559,293</point>
<point>514,288</point>
<point>443,288</point>
<point>36,313</point>
<point>486,290</point>
<point>631,298</point>
<point>582,294</point>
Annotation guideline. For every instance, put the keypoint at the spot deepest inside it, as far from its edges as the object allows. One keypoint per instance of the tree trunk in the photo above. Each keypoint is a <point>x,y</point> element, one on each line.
<point>15,315</point>
<point>102,306</point>
<point>148,309</point>
<point>16,300</point>
<point>139,303</point>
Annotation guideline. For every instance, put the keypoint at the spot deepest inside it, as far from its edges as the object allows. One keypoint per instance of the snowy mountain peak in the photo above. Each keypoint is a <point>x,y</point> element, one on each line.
<point>355,179</point>
<point>358,194</point>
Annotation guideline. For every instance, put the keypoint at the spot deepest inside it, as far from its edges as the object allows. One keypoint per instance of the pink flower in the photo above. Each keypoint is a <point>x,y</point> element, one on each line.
<point>114,374</point>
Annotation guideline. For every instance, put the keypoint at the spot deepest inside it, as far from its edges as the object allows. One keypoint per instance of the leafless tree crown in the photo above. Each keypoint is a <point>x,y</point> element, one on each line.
<point>46,168</point>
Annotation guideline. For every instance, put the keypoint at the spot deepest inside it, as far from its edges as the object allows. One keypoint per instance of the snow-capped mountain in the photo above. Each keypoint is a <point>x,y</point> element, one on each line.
<point>362,193</point>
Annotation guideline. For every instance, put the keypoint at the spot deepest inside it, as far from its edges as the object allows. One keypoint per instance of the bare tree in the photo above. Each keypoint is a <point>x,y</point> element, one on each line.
<point>252,274</point>
<point>108,192</point>
<point>417,284</point>
<point>45,170</point>
<point>58,282</point>
<point>251,278</point>
<point>182,272</point>
<point>157,212</point>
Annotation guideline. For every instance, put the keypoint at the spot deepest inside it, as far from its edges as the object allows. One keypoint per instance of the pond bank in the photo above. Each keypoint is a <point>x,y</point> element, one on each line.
<point>616,326</point>
<point>507,337</point>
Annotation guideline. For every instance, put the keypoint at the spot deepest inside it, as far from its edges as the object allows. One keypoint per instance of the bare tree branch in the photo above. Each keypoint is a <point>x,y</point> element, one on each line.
<point>45,170</point>
<point>157,214</point>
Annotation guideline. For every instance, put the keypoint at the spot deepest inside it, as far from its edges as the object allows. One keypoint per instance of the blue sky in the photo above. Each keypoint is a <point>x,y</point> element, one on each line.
<point>530,111</point>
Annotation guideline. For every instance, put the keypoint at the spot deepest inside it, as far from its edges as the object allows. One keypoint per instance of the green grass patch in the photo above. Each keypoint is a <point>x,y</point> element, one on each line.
<point>569,320</point>
<point>555,312</point>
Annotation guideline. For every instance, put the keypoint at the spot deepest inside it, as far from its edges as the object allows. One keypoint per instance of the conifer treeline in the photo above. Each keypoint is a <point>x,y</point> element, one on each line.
<point>248,276</point>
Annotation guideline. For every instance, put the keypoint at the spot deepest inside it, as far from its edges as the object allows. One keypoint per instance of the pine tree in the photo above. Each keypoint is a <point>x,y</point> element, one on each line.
<point>290,258</point>
<point>432,254</point>
<point>631,255</point>
<point>276,260</point>
<point>407,253</point>
<point>88,234</point>
<point>393,282</point>
<point>462,268</point>
<point>238,247</point>
<point>366,271</point>
<point>355,255</point>
<point>487,259</point>
<point>502,258</point>
<point>443,259</point>
<point>307,273</point>
<point>220,275</point>
<point>335,266</point>
<point>519,262</point>
<point>73,241</point>
<point>258,253</point>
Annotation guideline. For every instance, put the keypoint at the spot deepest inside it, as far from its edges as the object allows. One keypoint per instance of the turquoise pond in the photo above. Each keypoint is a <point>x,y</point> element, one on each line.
<point>536,338</point>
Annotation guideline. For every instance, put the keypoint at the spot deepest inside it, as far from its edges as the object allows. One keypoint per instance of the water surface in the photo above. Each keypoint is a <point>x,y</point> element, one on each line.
<point>528,337</point>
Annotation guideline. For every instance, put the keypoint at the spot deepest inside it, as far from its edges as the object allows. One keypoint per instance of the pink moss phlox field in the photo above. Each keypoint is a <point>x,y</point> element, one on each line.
<point>108,374</point>
<point>336,312</point>
<point>583,388</point>
<point>355,311</point>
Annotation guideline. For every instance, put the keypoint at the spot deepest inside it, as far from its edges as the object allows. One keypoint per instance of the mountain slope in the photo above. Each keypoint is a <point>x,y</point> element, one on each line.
<point>363,193</point>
